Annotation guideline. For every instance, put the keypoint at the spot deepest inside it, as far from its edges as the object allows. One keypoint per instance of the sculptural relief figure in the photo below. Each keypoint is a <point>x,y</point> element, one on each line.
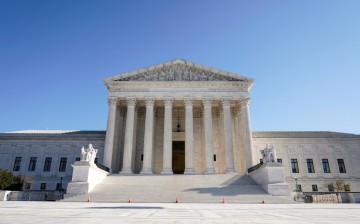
<point>89,154</point>
<point>269,154</point>
<point>83,154</point>
<point>162,76</point>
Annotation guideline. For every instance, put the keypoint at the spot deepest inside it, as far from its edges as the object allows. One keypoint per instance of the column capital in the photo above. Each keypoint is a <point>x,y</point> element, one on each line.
<point>226,100</point>
<point>207,100</point>
<point>131,100</point>
<point>112,101</point>
<point>168,101</point>
<point>188,101</point>
<point>149,101</point>
<point>244,102</point>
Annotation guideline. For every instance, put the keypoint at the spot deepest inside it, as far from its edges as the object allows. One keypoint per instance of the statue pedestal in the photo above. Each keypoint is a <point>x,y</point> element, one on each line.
<point>271,178</point>
<point>84,178</point>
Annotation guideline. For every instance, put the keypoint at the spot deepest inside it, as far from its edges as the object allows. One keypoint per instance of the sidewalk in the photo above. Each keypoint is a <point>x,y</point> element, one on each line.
<point>105,213</point>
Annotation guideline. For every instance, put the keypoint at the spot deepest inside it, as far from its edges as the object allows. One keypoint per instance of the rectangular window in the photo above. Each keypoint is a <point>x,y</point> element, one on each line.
<point>32,164</point>
<point>43,186</point>
<point>279,161</point>
<point>62,166</point>
<point>314,187</point>
<point>17,164</point>
<point>310,165</point>
<point>214,158</point>
<point>326,166</point>
<point>341,165</point>
<point>58,186</point>
<point>299,187</point>
<point>47,164</point>
<point>294,166</point>
<point>77,159</point>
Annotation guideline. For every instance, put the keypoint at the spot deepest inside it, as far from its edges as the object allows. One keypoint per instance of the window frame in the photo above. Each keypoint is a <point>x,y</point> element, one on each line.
<point>294,166</point>
<point>47,164</point>
<point>62,164</point>
<point>310,165</point>
<point>17,163</point>
<point>342,167</point>
<point>326,166</point>
<point>32,164</point>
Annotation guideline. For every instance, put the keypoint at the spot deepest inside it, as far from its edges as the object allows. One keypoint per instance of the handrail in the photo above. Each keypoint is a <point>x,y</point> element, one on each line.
<point>253,168</point>
<point>101,166</point>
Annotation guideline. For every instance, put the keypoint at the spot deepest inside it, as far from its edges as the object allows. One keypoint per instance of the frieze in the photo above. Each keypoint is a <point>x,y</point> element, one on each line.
<point>194,86</point>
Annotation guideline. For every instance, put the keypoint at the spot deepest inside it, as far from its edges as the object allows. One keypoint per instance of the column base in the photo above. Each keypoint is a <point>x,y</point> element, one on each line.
<point>167,171</point>
<point>189,171</point>
<point>126,171</point>
<point>210,171</point>
<point>230,170</point>
<point>146,172</point>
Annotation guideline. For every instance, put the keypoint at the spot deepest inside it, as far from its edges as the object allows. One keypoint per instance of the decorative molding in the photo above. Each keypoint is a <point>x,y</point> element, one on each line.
<point>131,101</point>
<point>204,86</point>
<point>149,101</point>
<point>112,101</point>
<point>189,101</point>
<point>244,102</point>
<point>207,100</point>
<point>168,101</point>
<point>226,101</point>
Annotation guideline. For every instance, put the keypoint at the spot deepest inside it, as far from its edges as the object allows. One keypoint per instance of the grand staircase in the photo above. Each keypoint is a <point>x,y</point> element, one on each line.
<point>185,188</point>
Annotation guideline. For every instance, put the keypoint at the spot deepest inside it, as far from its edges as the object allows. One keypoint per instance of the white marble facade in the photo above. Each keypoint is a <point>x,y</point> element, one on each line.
<point>212,108</point>
<point>146,105</point>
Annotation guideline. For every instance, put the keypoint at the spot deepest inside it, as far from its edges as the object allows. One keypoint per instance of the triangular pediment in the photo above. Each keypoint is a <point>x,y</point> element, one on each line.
<point>178,70</point>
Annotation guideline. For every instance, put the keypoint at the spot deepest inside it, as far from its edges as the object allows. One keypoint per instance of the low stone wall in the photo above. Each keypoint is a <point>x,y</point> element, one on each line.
<point>326,198</point>
<point>4,195</point>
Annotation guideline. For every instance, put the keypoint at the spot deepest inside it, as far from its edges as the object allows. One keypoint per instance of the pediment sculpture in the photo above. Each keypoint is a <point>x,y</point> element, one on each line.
<point>178,72</point>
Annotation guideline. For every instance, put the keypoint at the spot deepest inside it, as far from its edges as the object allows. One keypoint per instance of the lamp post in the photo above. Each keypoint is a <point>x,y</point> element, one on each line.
<point>61,188</point>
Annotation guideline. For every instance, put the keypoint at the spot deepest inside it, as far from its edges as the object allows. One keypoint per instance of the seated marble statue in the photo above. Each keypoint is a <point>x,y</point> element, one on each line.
<point>269,154</point>
<point>89,154</point>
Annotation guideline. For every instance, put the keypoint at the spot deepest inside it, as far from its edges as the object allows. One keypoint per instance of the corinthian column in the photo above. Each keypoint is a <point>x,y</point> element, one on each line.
<point>209,148</point>
<point>228,136</point>
<point>110,131</point>
<point>189,135</point>
<point>148,139</point>
<point>167,156</point>
<point>246,128</point>
<point>129,135</point>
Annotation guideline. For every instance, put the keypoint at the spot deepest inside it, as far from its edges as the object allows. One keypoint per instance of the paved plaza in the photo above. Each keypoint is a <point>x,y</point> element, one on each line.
<point>104,213</point>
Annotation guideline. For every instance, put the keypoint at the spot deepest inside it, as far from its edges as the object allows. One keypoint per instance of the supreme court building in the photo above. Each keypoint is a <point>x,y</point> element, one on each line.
<point>178,117</point>
<point>181,117</point>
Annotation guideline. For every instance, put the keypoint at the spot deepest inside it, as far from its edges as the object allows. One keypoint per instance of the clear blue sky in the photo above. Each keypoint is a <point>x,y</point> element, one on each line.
<point>303,55</point>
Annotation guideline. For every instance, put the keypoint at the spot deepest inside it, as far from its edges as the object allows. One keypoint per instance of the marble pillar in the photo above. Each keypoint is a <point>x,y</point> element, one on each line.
<point>209,146</point>
<point>189,135</point>
<point>110,132</point>
<point>149,136</point>
<point>167,147</point>
<point>129,136</point>
<point>246,128</point>
<point>228,136</point>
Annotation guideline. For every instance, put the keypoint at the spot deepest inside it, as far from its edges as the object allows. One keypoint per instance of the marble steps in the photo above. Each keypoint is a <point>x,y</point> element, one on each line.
<point>187,188</point>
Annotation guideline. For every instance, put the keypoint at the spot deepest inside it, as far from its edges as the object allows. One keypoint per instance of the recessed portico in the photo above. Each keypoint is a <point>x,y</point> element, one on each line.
<point>151,108</point>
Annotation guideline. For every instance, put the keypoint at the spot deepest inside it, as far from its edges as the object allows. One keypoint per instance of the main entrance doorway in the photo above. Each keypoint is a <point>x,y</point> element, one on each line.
<point>178,157</point>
